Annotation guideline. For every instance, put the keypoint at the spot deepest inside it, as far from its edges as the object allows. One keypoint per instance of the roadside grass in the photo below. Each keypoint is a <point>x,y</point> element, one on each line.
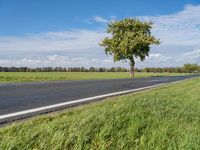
<point>55,76</point>
<point>164,118</point>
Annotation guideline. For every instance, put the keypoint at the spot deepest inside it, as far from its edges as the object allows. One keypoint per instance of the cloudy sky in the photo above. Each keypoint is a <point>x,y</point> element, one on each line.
<point>66,33</point>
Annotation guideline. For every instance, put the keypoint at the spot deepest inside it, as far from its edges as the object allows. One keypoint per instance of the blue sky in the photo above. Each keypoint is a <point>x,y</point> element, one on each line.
<point>66,32</point>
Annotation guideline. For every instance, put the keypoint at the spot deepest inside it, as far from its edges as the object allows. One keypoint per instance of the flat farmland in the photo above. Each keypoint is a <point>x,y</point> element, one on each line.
<point>57,76</point>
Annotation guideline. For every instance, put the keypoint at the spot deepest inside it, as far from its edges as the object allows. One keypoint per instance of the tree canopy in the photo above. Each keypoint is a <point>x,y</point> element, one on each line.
<point>130,39</point>
<point>191,68</point>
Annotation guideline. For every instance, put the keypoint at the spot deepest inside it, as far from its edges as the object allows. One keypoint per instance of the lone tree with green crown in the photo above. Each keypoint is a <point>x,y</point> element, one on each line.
<point>130,39</point>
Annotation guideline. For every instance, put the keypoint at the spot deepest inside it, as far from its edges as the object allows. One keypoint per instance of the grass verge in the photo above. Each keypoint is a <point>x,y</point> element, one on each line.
<point>163,118</point>
<point>54,76</point>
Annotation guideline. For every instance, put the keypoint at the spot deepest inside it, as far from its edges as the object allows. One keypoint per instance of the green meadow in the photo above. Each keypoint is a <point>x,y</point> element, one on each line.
<point>55,76</point>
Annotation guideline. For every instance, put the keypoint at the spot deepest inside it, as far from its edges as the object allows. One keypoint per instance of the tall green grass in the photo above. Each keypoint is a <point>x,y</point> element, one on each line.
<point>163,118</point>
<point>54,76</point>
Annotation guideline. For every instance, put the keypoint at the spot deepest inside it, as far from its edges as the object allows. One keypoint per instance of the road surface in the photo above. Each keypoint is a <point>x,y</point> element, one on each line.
<point>19,97</point>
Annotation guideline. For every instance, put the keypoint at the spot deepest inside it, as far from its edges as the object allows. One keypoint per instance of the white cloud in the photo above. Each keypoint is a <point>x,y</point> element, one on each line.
<point>179,29</point>
<point>100,19</point>
<point>53,41</point>
<point>73,47</point>
<point>191,57</point>
<point>158,58</point>
<point>61,61</point>
<point>155,60</point>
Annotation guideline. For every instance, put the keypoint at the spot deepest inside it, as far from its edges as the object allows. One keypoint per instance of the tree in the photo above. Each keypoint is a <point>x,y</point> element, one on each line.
<point>130,39</point>
<point>190,68</point>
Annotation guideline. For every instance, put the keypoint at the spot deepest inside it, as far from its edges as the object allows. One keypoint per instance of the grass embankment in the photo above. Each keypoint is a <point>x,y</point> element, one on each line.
<point>54,76</point>
<point>164,118</point>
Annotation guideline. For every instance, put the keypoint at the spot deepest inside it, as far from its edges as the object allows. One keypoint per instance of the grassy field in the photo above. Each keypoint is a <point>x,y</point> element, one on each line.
<point>53,76</point>
<point>163,118</point>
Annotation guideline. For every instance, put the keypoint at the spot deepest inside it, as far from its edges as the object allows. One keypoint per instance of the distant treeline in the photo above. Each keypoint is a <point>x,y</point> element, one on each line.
<point>62,69</point>
<point>187,68</point>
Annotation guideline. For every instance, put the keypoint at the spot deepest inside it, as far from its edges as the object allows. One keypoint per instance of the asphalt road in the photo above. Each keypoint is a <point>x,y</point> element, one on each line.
<point>16,97</point>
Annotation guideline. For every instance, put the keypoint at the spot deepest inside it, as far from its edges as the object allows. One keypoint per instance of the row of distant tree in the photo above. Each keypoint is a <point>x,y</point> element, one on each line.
<point>62,69</point>
<point>187,68</point>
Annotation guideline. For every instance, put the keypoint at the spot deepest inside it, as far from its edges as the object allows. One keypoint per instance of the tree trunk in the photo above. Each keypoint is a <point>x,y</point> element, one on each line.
<point>132,70</point>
